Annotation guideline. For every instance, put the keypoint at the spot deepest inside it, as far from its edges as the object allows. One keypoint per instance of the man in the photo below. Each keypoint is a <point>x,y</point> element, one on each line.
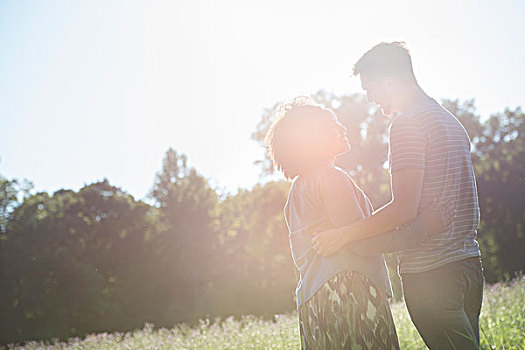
<point>429,160</point>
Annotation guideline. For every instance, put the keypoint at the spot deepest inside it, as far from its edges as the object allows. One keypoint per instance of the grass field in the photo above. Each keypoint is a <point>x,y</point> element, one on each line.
<point>502,327</point>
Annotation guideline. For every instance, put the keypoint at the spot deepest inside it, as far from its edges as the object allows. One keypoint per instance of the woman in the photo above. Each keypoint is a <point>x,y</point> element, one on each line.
<point>341,299</point>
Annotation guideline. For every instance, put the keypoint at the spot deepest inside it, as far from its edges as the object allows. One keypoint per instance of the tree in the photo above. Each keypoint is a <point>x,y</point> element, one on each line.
<point>500,168</point>
<point>65,261</point>
<point>10,191</point>
<point>188,209</point>
<point>253,254</point>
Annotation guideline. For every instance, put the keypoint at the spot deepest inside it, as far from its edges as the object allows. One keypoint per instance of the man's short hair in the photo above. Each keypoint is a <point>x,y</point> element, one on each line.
<point>386,59</point>
<point>293,140</point>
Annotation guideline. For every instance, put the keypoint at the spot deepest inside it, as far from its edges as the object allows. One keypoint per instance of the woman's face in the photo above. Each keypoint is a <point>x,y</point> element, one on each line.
<point>319,138</point>
<point>337,136</point>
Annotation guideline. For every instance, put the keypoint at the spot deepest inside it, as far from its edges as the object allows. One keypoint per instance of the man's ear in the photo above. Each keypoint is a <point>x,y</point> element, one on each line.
<point>388,82</point>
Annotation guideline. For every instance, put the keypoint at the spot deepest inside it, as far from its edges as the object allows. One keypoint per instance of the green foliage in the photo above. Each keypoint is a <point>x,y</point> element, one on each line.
<point>187,236</point>
<point>61,259</point>
<point>97,259</point>
<point>73,263</point>
<point>10,190</point>
<point>502,323</point>
<point>501,182</point>
<point>253,252</point>
<point>8,199</point>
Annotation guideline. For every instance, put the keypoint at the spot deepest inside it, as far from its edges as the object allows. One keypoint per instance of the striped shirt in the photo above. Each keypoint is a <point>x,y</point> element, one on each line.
<point>429,137</point>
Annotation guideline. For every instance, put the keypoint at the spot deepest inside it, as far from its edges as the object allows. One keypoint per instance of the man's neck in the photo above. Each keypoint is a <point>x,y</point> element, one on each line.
<point>412,96</point>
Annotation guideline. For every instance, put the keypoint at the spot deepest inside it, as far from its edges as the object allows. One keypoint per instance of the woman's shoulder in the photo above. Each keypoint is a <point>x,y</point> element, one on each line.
<point>336,174</point>
<point>325,174</point>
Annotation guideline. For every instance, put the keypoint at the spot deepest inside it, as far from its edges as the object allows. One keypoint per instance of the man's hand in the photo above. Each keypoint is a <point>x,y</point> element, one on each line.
<point>438,219</point>
<point>328,242</point>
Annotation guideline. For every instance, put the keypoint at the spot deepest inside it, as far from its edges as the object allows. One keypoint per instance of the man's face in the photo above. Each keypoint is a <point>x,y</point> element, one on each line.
<point>378,92</point>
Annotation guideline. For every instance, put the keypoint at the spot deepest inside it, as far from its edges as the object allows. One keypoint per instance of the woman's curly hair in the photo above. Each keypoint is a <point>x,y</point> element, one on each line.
<point>294,140</point>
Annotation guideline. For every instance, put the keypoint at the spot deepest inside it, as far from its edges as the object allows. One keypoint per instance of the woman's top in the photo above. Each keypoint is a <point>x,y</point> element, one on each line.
<point>305,213</point>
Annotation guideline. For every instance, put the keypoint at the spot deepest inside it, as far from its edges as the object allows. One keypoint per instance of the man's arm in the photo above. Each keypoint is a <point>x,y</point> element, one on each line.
<point>401,238</point>
<point>406,195</point>
<point>407,236</point>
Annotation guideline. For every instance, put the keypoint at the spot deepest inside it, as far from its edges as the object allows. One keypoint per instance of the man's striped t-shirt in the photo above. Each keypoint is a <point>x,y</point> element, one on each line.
<point>429,137</point>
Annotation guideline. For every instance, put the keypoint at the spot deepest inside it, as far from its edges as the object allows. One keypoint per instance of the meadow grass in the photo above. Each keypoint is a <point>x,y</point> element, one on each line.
<point>502,327</point>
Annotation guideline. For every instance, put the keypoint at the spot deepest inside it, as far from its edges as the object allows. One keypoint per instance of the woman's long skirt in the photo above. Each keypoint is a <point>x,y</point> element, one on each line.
<point>348,312</point>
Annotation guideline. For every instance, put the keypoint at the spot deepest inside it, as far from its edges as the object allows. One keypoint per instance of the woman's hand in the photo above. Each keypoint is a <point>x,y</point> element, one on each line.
<point>328,242</point>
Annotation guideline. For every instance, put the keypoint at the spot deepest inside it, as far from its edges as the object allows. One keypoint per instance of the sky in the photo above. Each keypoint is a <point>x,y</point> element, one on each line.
<point>101,89</point>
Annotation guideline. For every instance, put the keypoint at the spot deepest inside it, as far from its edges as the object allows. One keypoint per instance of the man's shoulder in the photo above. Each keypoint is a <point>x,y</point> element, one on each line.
<point>423,112</point>
<point>421,117</point>
<point>406,122</point>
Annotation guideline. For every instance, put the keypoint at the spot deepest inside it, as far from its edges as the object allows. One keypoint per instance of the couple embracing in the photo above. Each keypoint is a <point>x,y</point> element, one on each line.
<point>337,240</point>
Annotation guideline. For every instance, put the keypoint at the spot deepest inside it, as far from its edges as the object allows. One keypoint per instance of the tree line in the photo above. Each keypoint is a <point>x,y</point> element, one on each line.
<point>97,259</point>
